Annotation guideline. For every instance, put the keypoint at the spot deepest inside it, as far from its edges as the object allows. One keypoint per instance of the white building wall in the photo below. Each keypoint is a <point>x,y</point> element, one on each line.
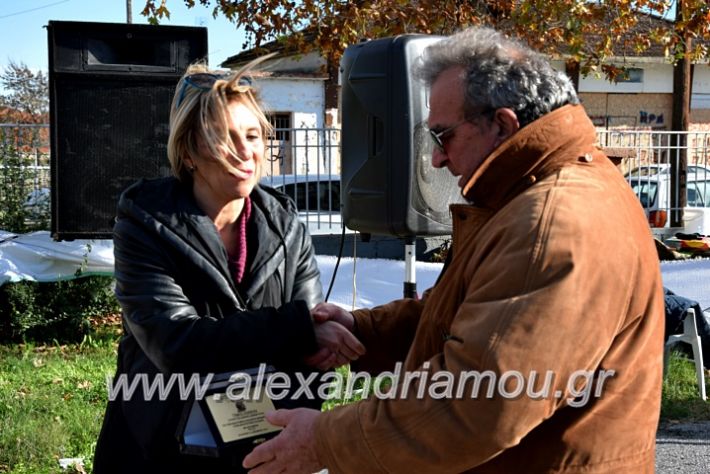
<point>657,79</point>
<point>701,79</point>
<point>701,87</point>
<point>558,64</point>
<point>304,99</point>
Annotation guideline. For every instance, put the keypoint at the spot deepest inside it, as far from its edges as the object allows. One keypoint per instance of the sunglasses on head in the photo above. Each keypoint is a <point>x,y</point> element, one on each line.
<point>204,81</point>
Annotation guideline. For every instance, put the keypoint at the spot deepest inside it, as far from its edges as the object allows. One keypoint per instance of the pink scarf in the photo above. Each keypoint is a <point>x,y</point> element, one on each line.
<point>238,261</point>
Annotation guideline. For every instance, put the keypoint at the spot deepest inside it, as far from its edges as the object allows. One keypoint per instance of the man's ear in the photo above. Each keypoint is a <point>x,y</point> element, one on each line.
<point>507,122</point>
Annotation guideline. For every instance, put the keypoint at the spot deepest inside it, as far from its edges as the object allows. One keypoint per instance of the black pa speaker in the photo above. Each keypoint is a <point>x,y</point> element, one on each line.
<point>388,183</point>
<point>110,90</point>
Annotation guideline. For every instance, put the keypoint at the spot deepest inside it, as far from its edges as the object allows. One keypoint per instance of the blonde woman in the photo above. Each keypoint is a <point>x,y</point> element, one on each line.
<point>213,274</point>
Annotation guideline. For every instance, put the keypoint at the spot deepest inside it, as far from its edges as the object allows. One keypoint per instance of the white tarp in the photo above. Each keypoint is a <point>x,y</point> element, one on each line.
<point>689,279</point>
<point>35,256</point>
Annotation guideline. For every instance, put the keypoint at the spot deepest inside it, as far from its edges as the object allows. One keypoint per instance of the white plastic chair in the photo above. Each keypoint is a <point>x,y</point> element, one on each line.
<point>690,335</point>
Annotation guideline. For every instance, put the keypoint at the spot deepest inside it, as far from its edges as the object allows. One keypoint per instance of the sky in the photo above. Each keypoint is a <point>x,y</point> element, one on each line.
<point>23,37</point>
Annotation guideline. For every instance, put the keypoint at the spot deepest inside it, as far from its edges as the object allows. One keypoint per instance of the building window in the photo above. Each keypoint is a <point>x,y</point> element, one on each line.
<point>279,146</point>
<point>632,75</point>
<point>281,121</point>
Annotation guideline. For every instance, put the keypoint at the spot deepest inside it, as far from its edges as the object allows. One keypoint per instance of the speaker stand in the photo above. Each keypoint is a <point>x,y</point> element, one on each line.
<point>410,272</point>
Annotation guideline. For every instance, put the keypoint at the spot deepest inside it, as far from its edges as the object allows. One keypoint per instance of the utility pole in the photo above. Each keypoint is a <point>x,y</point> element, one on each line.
<point>682,83</point>
<point>129,15</point>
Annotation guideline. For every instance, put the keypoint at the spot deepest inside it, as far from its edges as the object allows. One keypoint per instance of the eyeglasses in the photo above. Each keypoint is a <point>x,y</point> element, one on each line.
<point>436,137</point>
<point>205,81</point>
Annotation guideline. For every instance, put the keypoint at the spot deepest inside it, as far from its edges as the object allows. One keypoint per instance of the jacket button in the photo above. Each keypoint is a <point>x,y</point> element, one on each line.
<point>532,179</point>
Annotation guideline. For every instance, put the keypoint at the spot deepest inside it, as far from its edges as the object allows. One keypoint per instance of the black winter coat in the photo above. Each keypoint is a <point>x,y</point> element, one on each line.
<point>183,312</point>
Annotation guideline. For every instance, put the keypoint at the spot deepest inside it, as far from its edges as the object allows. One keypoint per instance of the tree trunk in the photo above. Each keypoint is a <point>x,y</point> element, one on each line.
<point>682,80</point>
<point>572,71</point>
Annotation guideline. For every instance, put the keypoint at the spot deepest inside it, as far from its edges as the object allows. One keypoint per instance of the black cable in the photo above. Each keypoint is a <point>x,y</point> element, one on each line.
<point>337,263</point>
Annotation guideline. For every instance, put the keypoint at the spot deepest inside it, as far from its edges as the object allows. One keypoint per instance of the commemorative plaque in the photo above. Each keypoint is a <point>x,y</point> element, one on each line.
<point>229,421</point>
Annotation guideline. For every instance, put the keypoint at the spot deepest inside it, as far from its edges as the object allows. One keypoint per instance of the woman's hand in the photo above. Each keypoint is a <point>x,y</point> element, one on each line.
<point>338,346</point>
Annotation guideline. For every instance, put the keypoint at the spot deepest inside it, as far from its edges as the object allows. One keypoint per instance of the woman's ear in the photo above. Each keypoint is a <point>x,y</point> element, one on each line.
<point>507,122</point>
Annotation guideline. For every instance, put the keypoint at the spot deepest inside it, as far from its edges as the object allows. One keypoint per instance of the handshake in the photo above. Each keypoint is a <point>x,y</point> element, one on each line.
<point>334,329</point>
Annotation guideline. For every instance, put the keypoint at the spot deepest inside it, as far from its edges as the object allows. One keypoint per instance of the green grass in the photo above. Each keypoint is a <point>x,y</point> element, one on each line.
<point>352,388</point>
<point>681,397</point>
<point>52,401</point>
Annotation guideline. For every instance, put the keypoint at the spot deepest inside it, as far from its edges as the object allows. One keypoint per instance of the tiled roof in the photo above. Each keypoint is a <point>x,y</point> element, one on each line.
<point>270,47</point>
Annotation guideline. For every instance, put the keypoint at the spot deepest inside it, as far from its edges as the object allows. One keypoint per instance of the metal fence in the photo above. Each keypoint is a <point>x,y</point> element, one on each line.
<point>303,151</point>
<point>655,149</point>
<point>24,177</point>
<point>646,158</point>
<point>27,145</point>
<point>305,163</point>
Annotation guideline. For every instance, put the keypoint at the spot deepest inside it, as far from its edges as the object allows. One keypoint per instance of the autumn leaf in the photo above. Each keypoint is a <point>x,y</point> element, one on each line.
<point>589,32</point>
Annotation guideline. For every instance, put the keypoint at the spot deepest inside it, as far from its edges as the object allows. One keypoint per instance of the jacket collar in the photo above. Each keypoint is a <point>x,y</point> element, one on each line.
<point>168,207</point>
<point>535,151</point>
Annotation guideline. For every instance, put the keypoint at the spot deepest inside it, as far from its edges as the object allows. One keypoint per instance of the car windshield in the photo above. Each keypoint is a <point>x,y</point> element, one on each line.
<point>315,196</point>
<point>698,172</point>
<point>312,194</point>
<point>646,191</point>
<point>699,193</point>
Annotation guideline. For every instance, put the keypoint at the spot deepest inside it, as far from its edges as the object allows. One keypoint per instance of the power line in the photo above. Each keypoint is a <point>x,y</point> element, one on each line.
<point>33,9</point>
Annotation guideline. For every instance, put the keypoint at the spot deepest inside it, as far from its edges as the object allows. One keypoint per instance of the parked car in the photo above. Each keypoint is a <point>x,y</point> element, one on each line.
<point>317,199</point>
<point>654,192</point>
<point>37,204</point>
<point>694,171</point>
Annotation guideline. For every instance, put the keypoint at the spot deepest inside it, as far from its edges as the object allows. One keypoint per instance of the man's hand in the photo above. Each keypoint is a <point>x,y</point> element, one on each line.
<point>293,450</point>
<point>337,345</point>
<point>329,312</point>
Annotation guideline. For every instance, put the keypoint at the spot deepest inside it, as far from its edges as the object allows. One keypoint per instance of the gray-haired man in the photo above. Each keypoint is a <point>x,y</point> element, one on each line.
<point>539,349</point>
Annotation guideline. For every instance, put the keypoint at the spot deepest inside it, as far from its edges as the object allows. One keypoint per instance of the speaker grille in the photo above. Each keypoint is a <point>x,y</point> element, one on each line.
<point>111,87</point>
<point>111,134</point>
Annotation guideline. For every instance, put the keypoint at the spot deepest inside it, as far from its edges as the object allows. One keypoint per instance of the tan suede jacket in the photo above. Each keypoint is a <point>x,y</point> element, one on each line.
<point>553,271</point>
